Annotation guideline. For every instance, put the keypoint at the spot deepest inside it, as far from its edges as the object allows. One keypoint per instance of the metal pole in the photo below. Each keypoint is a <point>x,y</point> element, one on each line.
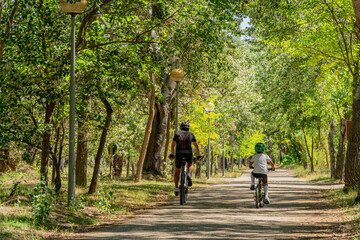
<point>71,180</point>
<point>177,107</point>
<point>208,159</point>
<point>223,159</point>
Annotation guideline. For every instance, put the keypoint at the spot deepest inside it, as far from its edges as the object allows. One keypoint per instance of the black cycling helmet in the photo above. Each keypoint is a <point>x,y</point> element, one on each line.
<point>184,126</point>
<point>260,147</point>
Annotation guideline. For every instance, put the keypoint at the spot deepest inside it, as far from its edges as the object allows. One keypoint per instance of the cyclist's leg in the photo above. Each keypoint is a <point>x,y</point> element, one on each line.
<point>189,160</point>
<point>252,177</point>
<point>266,189</point>
<point>176,177</point>
<point>177,173</point>
<point>191,168</point>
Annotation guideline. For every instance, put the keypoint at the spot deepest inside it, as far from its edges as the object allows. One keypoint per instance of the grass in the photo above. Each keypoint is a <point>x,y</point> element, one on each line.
<point>319,175</point>
<point>89,210</point>
<point>347,203</point>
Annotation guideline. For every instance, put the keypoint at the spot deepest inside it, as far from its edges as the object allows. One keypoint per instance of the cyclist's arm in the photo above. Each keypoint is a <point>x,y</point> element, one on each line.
<point>272,165</point>
<point>197,148</point>
<point>250,164</point>
<point>173,147</point>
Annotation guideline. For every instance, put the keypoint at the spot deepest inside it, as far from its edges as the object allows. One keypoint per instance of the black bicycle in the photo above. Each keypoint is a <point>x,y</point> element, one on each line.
<point>259,195</point>
<point>183,182</point>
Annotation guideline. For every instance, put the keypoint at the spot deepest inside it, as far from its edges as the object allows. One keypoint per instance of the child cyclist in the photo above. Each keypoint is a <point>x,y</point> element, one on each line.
<point>259,162</point>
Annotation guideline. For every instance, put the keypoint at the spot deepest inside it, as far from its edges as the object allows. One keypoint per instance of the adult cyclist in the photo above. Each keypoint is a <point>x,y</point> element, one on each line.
<point>259,162</point>
<point>183,140</point>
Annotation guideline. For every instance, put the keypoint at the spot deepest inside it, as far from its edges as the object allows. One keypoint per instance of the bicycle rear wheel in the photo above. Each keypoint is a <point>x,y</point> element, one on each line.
<point>261,200</point>
<point>186,188</point>
<point>257,197</point>
<point>182,187</point>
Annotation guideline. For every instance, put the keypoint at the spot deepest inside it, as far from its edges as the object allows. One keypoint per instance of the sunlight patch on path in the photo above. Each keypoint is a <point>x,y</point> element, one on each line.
<point>227,211</point>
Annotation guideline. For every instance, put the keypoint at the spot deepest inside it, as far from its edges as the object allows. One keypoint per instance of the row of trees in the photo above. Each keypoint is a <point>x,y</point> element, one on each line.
<point>290,79</point>
<point>310,76</point>
<point>125,51</point>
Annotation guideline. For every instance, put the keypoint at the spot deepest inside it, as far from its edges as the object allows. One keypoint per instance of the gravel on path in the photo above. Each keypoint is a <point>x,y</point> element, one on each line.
<point>227,211</point>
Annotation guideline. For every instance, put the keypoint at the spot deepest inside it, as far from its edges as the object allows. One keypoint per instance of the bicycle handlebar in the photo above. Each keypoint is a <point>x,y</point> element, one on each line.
<point>269,169</point>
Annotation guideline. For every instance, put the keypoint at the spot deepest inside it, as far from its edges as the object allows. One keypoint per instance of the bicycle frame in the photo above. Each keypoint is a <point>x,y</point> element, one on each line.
<point>259,193</point>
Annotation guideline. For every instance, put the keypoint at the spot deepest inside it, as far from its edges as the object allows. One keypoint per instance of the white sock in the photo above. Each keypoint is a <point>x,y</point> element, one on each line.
<point>266,188</point>
<point>252,180</point>
<point>189,175</point>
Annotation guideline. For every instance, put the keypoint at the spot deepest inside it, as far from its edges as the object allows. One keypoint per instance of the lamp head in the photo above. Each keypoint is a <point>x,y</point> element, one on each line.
<point>177,75</point>
<point>72,7</point>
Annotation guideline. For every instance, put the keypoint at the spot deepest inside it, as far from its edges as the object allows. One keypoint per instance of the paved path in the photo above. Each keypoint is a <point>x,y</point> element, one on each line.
<point>227,211</point>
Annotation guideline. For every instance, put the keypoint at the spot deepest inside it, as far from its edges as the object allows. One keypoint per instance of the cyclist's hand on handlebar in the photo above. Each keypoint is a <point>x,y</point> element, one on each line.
<point>171,156</point>
<point>199,157</point>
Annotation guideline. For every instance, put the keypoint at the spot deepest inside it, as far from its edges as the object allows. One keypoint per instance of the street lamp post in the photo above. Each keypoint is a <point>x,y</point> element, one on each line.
<point>209,108</point>
<point>72,8</point>
<point>177,75</point>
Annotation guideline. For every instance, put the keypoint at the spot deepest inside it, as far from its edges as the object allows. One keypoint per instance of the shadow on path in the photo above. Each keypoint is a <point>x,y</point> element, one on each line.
<point>227,211</point>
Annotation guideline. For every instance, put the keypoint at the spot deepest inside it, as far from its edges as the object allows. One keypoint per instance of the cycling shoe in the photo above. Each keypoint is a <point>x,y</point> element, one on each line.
<point>267,201</point>
<point>252,187</point>
<point>189,181</point>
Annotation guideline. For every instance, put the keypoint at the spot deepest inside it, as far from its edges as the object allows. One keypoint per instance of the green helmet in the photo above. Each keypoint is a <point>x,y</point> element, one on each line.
<point>260,147</point>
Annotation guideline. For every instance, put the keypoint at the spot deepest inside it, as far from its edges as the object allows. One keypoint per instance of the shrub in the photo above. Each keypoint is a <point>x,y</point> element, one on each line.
<point>42,198</point>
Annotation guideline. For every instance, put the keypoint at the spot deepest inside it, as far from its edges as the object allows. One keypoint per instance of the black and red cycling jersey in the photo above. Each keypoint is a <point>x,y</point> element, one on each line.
<point>183,141</point>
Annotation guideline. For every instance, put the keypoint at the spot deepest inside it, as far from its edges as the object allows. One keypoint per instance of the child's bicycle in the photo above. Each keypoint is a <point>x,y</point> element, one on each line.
<point>259,195</point>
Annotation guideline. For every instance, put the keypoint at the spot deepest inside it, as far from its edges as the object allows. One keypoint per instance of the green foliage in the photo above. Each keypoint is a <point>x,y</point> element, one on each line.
<point>287,160</point>
<point>77,205</point>
<point>105,201</point>
<point>42,201</point>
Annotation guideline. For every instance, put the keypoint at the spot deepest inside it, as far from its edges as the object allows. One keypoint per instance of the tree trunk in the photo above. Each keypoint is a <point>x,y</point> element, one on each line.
<point>198,168</point>
<point>232,161</point>
<point>352,165</point>
<point>45,146</point>
<point>212,163</point>
<point>312,155</point>
<point>128,167</point>
<point>95,176</point>
<point>55,160</point>
<point>111,161</point>
<point>59,164</point>
<point>216,165</point>
<point>332,149</point>
<point>341,151</point>
<point>312,152</point>
<point>148,131</point>
<point>153,158</point>
<point>121,164</point>
<point>133,169</point>
<point>167,145</point>
<point>81,155</point>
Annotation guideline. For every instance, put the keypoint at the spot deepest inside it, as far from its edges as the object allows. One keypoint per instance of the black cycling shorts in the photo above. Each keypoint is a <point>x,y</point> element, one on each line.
<point>179,156</point>
<point>257,175</point>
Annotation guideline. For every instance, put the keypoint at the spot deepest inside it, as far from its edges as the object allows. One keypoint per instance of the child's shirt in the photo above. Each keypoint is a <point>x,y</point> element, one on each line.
<point>260,161</point>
